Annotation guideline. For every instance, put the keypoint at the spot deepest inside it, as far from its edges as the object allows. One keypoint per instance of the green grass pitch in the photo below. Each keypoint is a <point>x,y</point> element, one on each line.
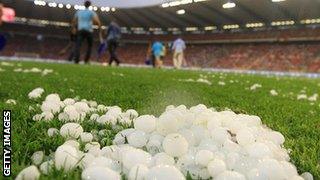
<point>149,91</point>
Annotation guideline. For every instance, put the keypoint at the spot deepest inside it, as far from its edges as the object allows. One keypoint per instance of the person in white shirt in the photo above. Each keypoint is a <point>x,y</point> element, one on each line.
<point>178,48</point>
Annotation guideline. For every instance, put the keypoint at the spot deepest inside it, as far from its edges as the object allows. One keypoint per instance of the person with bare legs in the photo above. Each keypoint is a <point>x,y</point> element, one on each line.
<point>157,50</point>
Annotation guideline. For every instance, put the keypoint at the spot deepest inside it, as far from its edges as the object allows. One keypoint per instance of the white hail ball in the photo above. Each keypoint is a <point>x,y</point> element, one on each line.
<point>307,176</point>
<point>37,157</point>
<point>72,143</point>
<point>99,173</point>
<point>138,172</point>
<point>230,175</point>
<point>71,130</point>
<point>137,139</point>
<point>86,159</point>
<point>66,158</point>
<point>164,172</point>
<point>94,117</point>
<point>219,135</point>
<point>29,173</point>
<point>86,137</point>
<point>53,98</point>
<point>216,167</point>
<point>175,145</point>
<point>163,159</point>
<point>203,157</point>
<point>101,162</point>
<point>36,93</point>
<point>134,156</point>
<point>46,167</point>
<point>52,131</point>
<point>131,113</point>
<point>258,150</point>
<point>82,107</point>
<point>121,136</point>
<point>167,123</point>
<point>245,137</point>
<point>69,101</point>
<point>50,106</point>
<point>146,123</point>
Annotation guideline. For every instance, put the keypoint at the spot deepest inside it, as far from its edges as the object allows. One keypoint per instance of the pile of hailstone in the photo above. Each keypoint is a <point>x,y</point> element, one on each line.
<point>198,142</point>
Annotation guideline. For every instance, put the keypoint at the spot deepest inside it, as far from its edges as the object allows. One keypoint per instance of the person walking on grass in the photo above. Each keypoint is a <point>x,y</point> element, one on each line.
<point>178,52</point>
<point>113,37</point>
<point>83,21</point>
<point>70,45</point>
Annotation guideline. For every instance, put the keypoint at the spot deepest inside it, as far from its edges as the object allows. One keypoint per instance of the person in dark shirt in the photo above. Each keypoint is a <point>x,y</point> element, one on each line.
<point>113,37</point>
<point>71,45</point>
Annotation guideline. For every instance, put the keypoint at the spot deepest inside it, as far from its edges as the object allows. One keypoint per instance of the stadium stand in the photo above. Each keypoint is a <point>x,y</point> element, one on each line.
<point>279,50</point>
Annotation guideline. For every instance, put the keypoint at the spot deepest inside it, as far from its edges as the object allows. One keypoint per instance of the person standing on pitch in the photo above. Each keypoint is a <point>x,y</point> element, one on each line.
<point>1,13</point>
<point>158,52</point>
<point>71,45</point>
<point>178,56</point>
<point>113,37</point>
<point>84,20</point>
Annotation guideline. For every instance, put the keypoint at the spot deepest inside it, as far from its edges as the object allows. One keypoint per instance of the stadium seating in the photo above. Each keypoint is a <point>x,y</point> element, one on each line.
<point>280,55</point>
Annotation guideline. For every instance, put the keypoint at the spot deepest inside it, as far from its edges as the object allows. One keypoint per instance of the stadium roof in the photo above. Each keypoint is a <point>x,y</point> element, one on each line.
<point>115,3</point>
<point>193,13</point>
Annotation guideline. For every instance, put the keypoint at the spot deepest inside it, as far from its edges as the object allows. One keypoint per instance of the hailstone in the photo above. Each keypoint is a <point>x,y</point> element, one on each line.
<point>245,137</point>
<point>66,158</point>
<point>230,175</point>
<point>53,98</point>
<point>307,176</point>
<point>50,106</point>
<point>37,157</point>
<point>175,145</point>
<point>94,117</point>
<point>122,136</point>
<point>137,139</point>
<point>36,93</point>
<point>101,162</point>
<point>258,150</point>
<point>99,173</point>
<point>82,107</point>
<point>46,167</point>
<point>216,167</point>
<point>72,143</point>
<point>72,130</point>
<point>86,137</point>
<point>145,123</point>
<point>203,157</point>
<point>272,168</point>
<point>52,131</point>
<point>131,113</point>
<point>29,173</point>
<point>138,172</point>
<point>167,123</point>
<point>164,172</point>
<point>164,159</point>
<point>219,135</point>
<point>134,156</point>
<point>69,101</point>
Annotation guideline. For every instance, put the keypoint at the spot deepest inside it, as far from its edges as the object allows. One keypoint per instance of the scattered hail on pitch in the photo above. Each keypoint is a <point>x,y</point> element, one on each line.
<point>198,141</point>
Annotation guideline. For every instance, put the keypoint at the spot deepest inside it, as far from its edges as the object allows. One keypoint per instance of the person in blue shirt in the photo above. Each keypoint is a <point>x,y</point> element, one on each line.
<point>113,37</point>
<point>83,21</point>
<point>157,51</point>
